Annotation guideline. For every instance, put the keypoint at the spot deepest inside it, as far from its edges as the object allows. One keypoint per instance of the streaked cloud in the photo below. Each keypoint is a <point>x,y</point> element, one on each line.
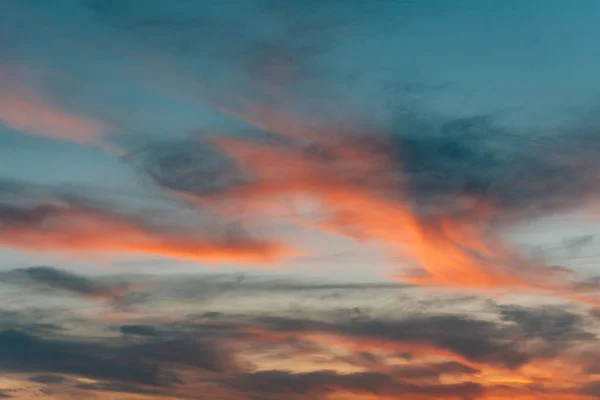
<point>52,278</point>
<point>245,353</point>
<point>56,222</point>
<point>376,187</point>
<point>27,109</point>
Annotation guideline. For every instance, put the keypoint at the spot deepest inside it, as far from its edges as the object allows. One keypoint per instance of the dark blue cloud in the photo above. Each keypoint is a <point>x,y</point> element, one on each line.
<point>22,352</point>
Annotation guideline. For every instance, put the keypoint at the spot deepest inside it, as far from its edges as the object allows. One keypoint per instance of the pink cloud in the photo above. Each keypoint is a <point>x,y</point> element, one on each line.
<point>27,110</point>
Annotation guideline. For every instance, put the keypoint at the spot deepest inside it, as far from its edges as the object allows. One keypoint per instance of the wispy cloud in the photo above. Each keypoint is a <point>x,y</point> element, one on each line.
<point>369,186</point>
<point>56,222</point>
<point>28,110</point>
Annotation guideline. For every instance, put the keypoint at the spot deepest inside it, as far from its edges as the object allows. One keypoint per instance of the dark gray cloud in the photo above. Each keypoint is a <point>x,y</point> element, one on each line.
<point>324,382</point>
<point>523,174</point>
<point>193,167</point>
<point>53,278</point>
<point>118,387</point>
<point>141,330</point>
<point>476,340</point>
<point>118,362</point>
<point>592,389</point>
<point>552,324</point>
<point>142,355</point>
<point>186,351</point>
<point>47,378</point>
<point>34,321</point>
<point>22,352</point>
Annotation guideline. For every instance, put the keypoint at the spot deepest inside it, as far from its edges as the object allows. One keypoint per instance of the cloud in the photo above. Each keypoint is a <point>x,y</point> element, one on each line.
<point>75,229</point>
<point>118,387</point>
<point>439,200</point>
<point>141,330</point>
<point>269,63</point>
<point>27,110</point>
<point>474,340</point>
<point>46,378</point>
<point>552,324</point>
<point>22,352</point>
<point>575,244</point>
<point>475,350</point>
<point>325,382</point>
<point>207,288</point>
<point>59,222</point>
<point>436,197</point>
<point>592,389</point>
<point>436,192</point>
<point>183,351</point>
<point>158,360</point>
<point>361,196</point>
<point>522,173</point>
<point>435,370</point>
<point>192,167</point>
<point>34,321</point>
<point>63,281</point>
<point>252,350</point>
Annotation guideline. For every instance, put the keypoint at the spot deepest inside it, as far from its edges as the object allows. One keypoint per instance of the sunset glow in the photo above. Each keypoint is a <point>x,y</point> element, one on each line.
<point>299,200</point>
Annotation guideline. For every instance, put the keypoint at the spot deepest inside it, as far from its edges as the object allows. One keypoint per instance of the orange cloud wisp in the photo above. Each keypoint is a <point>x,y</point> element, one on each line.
<point>361,193</point>
<point>25,110</point>
<point>76,230</point>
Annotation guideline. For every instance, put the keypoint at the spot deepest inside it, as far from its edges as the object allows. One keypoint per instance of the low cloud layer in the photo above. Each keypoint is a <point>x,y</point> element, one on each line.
<point>38,219</point>
<point>413,352</point>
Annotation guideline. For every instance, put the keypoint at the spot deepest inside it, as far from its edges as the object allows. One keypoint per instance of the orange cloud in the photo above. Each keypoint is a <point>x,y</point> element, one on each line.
<point>362,196</point>
<point>362,193</point>
<point>81,230</point>
<point>26,110</point>
<point>559,378</point>
<point>328,340</point>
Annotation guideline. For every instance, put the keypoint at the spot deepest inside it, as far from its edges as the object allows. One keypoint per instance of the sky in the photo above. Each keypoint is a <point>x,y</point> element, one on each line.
<point>299,200</point>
